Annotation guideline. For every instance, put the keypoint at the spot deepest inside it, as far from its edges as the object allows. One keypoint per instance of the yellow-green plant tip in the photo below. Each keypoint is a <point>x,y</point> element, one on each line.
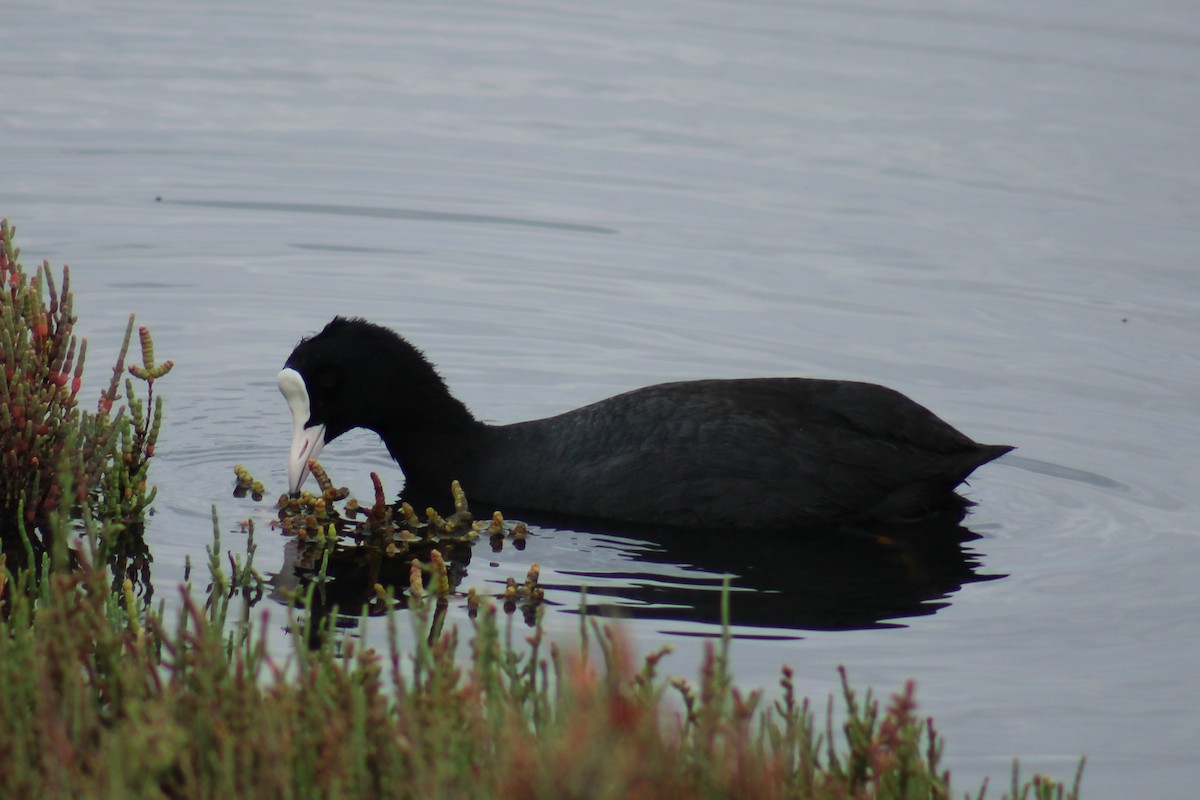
<point>147,346</point>
<point>440,574</point>
<point>460,497</point>
<point>416,587</point>
<point>131,605</point>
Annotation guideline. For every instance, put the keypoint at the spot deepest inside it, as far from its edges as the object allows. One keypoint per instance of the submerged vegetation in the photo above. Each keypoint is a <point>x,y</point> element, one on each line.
<point>102,695</point>
<point>389,546</point>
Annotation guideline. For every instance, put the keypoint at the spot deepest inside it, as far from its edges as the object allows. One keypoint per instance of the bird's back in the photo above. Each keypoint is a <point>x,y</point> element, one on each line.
<point>771,453</point>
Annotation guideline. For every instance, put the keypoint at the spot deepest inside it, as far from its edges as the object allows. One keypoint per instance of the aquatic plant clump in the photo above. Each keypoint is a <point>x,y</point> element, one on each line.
<point>369,551</point>
<point>54,456</point>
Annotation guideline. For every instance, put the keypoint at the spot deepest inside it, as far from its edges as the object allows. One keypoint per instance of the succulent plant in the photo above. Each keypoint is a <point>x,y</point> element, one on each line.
<point>56,458</point>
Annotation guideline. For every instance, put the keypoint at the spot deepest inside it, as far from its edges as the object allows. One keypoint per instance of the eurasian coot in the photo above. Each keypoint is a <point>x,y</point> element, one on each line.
<point>767,453</point>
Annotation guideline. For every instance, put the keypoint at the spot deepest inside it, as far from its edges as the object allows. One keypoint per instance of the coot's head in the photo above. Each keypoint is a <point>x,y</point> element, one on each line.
<point>355,374</point>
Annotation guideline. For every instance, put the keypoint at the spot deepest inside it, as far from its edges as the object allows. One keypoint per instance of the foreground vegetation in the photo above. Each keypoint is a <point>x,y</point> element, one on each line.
<point>101,695</point>
<point>99,698</point>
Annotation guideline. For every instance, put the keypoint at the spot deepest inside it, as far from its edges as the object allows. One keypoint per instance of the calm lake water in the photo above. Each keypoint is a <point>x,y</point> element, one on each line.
<point>993,207</point>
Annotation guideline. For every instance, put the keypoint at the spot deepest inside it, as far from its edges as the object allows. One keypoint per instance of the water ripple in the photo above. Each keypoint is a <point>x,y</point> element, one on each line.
<point>376,212</point>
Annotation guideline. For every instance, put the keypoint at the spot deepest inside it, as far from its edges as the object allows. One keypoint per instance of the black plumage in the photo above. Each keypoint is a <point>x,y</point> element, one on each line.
<point>773,453</point>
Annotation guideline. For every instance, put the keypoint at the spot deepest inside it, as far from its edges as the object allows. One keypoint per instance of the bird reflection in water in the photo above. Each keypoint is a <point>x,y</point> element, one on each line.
<point>783,581</point>
<point>816,580</point>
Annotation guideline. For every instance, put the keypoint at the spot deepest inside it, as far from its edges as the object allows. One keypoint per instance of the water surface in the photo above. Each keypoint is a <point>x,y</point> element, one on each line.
<point>991,207</point>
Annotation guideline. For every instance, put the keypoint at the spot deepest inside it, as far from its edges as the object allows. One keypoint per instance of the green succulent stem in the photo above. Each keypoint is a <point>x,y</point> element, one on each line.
<point>56,458</point>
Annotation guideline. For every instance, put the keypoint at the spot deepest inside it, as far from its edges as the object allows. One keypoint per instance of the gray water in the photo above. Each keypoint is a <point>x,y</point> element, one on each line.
<point>992,207</point>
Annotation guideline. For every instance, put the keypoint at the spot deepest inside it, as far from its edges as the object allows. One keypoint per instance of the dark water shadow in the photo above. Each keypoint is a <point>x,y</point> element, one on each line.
<point>124,550</point>
<point>346,577</point>
<point>1055,470</point>
<point>817,580</point>
<point>784,581</point>
<point>380,212</point>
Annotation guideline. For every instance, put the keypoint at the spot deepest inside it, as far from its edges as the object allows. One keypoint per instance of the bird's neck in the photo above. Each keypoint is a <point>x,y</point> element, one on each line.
<point>429,444</point>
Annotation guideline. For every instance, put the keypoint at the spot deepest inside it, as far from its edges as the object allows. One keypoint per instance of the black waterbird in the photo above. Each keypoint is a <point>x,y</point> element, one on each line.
<point>764,453</point>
